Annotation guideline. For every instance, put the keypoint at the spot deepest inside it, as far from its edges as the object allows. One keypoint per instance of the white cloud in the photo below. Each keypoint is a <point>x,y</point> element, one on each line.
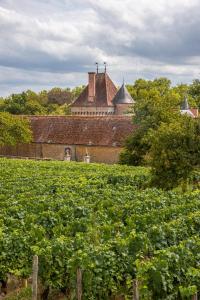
<point>52,42</point>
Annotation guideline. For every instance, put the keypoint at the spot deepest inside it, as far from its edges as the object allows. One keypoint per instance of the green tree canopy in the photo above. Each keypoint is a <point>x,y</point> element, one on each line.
<point>194,91</point>
<point>156,103</point>
<point>56,101</point>
<point>26,103</point>
<point>14,130</point>
<point>174,151</point>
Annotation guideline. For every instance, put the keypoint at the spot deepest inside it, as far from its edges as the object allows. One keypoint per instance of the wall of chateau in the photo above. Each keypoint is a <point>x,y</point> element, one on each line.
<point>57,151</point>
<point>98,154</point>
<point>109,155</point>
<point>122,109</point>
<point>32,150</point>
<point>108,110</point>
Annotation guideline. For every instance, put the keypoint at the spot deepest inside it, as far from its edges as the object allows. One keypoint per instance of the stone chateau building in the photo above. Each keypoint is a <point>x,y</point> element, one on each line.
<point>99,123</point>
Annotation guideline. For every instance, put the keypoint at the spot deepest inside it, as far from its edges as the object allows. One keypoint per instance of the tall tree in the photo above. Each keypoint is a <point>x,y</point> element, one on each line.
<point>174,151</point>
<point>156,102</point>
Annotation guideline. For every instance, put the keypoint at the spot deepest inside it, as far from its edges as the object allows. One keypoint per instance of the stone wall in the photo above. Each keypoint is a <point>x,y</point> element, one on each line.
<point>56,151</point>
<point>26,150</point>
<point>108,155</point>
<point>98,154</point>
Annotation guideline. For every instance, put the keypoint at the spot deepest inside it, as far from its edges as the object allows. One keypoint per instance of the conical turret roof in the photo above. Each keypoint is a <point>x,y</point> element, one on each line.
<point>123,96</point>
<point>185,109</point>
<point>184,104</point>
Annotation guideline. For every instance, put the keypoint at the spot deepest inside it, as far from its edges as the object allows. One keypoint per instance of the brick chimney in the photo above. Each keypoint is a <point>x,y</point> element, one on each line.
<point>91,86</point>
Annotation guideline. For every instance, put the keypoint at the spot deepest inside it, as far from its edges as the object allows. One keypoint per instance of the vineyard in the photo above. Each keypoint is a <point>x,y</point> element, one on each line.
<point>128,241</point>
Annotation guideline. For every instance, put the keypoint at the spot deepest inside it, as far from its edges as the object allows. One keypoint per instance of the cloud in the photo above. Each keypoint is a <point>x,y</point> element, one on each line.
<point>44,41</point>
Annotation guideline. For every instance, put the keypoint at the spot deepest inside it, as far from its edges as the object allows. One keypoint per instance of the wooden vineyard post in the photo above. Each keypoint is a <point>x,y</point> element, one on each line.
<point>4,287</point>
<point>195,297</point>
<point>79,283</point>
<point>24,282</point>
<point>34,277</point>
<point>135,290</point>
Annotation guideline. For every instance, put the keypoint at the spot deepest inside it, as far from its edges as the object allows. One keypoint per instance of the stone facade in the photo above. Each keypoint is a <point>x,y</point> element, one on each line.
<point>54,137</point>
<point>98,154</point>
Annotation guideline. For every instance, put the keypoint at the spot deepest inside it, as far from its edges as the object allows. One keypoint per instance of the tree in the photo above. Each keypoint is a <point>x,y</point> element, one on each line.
<point>175,151</point>
<point>77,91</point>
<point>59,96</point>
<point>155,103</point>
<point>194,91</point>
<point>26,103</point>
<point>13,130</point>
<point>56,101</point>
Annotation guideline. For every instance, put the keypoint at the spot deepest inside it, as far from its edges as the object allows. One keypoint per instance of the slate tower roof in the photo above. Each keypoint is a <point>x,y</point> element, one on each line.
<point>123,96</point>
<point>184,104</point>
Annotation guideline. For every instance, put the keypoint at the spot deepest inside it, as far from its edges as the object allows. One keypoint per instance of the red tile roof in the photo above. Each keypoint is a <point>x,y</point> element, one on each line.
<point>76,130</point>
<point>105,92</point>
<point>195,112</point>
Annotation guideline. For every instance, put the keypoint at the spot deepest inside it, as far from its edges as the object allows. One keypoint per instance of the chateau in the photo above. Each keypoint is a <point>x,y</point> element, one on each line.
<point>99,123</point>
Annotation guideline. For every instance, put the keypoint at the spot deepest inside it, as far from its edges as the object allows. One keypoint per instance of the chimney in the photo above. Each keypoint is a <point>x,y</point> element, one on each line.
<point>91,86</point>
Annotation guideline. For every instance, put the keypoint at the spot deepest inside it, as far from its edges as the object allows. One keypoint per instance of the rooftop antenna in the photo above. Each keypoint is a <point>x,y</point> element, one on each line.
<point>97,64</point>
<point>105,64</point>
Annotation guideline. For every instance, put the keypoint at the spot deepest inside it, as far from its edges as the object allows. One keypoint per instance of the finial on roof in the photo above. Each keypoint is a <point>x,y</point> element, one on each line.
<point>97,64</point>
<point>105,64</point>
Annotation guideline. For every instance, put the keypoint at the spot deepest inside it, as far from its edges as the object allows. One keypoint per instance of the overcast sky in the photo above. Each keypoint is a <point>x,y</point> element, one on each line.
<point>47,43</point>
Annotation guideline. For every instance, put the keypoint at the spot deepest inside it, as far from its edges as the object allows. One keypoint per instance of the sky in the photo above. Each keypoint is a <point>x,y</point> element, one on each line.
<point>48,43</point>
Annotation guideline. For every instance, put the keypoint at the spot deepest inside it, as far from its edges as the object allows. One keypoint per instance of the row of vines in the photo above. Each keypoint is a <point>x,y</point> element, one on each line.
<point>103,220</point>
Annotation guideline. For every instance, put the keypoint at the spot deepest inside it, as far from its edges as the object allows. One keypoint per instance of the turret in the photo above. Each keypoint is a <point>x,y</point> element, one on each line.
<point>122,101</point>
<point>185,109</point>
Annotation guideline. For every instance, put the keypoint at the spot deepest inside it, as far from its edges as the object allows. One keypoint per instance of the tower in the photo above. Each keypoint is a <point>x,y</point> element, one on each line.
<point>122,101</point>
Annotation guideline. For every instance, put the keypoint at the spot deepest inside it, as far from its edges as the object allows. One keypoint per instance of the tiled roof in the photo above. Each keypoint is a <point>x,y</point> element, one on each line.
<point>195,112</point>
<point>75,130</point>
<point>105,92</point>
